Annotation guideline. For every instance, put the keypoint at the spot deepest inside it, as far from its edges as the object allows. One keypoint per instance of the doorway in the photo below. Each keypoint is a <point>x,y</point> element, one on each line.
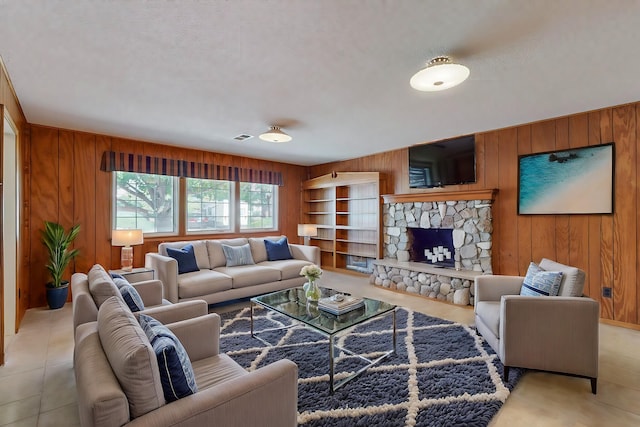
<point>9,232</point>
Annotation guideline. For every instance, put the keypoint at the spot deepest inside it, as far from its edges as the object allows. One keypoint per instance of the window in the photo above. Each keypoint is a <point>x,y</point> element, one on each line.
<point>257,206</point>
<point>209,205</point>
<point>152,202</point>
<point>145,201</point>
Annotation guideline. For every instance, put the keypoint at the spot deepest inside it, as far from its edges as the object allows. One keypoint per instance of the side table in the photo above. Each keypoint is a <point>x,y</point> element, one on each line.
<point>136,275</point>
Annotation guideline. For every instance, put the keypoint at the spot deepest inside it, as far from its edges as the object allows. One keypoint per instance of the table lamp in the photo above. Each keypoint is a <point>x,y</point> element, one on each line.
<point>126,238</point>
<point>307,231</point>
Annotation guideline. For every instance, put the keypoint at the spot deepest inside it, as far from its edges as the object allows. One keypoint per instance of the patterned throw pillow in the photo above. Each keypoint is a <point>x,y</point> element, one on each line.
<point>131,296</point>
<point>277,250</point>
<point>120,282</point>
<point>186,258</point>
<point>237,255</point>
<point>176,372</point>
<point>539,282</point>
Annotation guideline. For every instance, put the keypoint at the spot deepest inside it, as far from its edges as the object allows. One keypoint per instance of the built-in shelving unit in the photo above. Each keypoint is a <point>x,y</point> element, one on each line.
<point>346,208</point>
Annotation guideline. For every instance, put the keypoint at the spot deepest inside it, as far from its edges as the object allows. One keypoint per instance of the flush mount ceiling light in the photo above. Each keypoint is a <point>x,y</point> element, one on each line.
<point>439,74</point>
<point>275,135</point>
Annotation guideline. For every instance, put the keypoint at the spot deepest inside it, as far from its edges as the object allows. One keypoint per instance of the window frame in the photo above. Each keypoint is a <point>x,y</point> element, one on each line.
<point>176,205</point>
<point>180,206</point>
<point>232,210</point>
<point>274,207</point>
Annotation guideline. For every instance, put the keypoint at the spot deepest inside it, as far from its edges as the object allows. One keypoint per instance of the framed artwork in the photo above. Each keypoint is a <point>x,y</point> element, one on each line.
<point>573,181</point>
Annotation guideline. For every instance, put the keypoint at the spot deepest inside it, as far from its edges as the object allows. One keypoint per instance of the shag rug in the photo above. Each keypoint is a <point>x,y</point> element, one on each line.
<point>442,374</point>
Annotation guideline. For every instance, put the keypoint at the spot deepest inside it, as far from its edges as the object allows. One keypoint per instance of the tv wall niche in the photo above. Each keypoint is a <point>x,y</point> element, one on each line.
<point>575,181</point>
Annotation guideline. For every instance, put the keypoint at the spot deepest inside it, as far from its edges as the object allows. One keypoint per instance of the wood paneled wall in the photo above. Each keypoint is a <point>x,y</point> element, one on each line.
<point>9,105</point>
<point>67,186</point>
<point>605,246</point>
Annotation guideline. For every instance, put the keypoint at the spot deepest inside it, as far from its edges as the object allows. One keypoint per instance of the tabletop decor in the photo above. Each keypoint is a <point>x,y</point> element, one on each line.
<point>312,273</point>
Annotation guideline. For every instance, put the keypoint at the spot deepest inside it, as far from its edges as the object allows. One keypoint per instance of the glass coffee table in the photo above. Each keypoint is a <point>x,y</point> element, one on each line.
<point>293,304</point>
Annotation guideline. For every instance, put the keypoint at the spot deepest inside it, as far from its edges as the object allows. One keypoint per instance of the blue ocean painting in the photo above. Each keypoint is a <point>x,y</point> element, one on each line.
<point>572,181</point>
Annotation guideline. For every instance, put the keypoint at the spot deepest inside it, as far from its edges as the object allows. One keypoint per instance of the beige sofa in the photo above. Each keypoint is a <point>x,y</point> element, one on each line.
<point>549,333</point>
<point>118,380</point>
<point>215,282</point>
<point>90,290</point>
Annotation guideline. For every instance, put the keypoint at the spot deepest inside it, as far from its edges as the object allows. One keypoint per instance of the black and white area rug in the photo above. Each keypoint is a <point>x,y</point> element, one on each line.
<point>443,373</point>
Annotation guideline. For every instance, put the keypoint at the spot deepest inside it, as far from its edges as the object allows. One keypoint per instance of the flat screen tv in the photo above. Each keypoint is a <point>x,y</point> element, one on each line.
<point>447,162</point>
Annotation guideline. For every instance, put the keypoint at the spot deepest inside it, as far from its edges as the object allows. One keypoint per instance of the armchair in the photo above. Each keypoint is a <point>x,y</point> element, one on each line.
<point>118,378</point>
<point>556,334</point>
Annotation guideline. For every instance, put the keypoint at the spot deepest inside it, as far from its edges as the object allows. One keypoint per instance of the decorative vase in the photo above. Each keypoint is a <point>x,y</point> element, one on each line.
<point>311,290</point>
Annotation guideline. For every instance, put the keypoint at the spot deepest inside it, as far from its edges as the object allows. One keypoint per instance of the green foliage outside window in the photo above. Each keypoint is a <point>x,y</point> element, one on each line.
<point>145,201</point>
<point>149,202</point>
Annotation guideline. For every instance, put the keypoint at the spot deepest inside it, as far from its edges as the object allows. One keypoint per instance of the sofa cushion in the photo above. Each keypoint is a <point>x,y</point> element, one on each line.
<point>216,254</point>
<point>249,275</point>
<point>237,255</point>
<point>186,258</point>
<point>176,373</point>
<point>202,256</point>
<point>131,357</point>
<point>258,248</point>
<point>203,282</point>
<point>132,298</point>
<point>278,250</point>
<point>539,282</point>
<point>289,269</point>
<point>101,285</point>
<point>573,278</point>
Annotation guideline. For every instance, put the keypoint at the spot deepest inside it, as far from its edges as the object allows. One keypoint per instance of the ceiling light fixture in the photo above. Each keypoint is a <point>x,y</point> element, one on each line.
<point>275,134</point>
<point>439,74</point>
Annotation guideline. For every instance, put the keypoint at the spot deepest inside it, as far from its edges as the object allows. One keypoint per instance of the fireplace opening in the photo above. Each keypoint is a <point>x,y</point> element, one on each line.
<point>433,246</point>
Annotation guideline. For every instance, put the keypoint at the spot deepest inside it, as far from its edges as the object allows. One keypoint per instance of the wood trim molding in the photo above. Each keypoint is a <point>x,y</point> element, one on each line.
<point>441,196</point>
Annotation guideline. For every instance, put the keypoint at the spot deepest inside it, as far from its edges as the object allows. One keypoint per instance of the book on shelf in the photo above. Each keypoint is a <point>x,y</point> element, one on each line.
<point>333,306</point>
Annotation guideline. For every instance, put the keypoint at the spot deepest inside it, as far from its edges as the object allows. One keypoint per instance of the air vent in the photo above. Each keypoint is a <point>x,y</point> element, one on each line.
<point>242,137</point>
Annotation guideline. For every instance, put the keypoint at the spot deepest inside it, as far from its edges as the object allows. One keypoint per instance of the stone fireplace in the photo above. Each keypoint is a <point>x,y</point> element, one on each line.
<point>424,232</point>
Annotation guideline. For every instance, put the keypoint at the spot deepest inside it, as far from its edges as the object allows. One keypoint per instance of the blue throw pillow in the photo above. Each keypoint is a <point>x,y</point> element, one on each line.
<point>120,282</point>
<point>277,250</point>
<point>176,372</point>
<point>539,282</point>
<point>131,296</point>
<point>186,258</point>
<point>117,276</point>
<point>237,255</point>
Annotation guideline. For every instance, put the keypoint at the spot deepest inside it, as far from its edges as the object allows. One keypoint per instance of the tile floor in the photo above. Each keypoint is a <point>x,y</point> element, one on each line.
<point>37,385</point>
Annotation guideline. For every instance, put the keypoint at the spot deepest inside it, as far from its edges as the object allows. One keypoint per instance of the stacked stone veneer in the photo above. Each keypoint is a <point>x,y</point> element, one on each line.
<point>471,225</point>
<point>437,286</point>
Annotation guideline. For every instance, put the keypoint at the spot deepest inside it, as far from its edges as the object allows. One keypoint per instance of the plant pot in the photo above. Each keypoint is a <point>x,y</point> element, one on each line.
<point>57,297</point>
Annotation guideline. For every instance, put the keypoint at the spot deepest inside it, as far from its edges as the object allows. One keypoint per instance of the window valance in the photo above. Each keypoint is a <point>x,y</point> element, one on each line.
<point>127,162</point>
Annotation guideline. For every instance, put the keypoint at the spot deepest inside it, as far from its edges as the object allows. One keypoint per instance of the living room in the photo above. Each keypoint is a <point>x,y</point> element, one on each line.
<point>62,180</point>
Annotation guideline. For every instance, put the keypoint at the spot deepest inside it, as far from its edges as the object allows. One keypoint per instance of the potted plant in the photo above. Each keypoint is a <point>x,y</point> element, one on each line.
<point>57,242</point>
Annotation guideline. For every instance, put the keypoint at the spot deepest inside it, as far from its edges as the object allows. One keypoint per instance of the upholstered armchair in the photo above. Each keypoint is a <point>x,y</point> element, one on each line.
<point>548,333</point>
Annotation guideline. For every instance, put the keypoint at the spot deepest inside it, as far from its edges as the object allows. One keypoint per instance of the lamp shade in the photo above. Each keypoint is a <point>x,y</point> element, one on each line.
<point>307,230</point>
<point>275,134</point>
<point>126,237</point>
<point>439,74</point>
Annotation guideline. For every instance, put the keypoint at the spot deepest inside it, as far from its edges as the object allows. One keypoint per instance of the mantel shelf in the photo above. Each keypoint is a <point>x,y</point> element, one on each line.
<point>441,196</point>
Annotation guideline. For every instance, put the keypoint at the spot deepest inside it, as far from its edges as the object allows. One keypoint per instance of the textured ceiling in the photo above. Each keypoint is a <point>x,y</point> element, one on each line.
<point>333,73</point>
